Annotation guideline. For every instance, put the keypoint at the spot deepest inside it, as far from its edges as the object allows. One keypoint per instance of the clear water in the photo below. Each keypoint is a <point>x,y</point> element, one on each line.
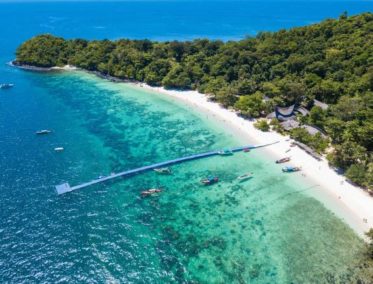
<point>265,230</point>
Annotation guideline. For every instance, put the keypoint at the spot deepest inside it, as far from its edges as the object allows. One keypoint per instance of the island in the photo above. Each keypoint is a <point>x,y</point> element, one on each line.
<point>321,74</point>
<point>313,83</point>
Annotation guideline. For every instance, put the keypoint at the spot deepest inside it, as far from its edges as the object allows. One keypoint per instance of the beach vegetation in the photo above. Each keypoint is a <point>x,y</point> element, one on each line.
<point>316,117</point>
<point>262,125</point>
<point>369,234</point>
<point>317,141</point>
<point>276,126</point>
<point>251,105</point>
<point>356,173</point>
<point>330,61</point>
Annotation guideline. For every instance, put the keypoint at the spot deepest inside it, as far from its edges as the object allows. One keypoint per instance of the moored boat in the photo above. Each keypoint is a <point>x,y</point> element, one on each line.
<point>283,160</point>
<point>225,152</point>
<point>43,132</point>
<point>210,180</point>
<point>150,192</point>
<point>58,149</point>
<point>246,150</point>
<point>290,169</point>
<point>164,171</point>
<point>245,176</point>
<point>6,86</point>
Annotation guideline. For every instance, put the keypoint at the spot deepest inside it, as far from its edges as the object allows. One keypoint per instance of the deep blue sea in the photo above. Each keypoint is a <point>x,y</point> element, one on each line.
<point>265,230</point>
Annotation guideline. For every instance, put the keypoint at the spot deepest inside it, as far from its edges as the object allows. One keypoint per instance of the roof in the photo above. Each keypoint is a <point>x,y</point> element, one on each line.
<point>271,115</point>
<point>308,150</point>
<point>287,113</point>
<point>303,111</point>
<point>289,124</point>
<point>313,130</point>
<point>324,106</point>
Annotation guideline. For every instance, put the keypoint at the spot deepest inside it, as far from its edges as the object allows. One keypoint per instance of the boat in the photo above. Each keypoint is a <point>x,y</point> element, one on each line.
<point>150,192</point>
<point>43,132</point>
<point>290,169</point>
<point>164,171</point>
<point>225,152</point>
<point>210,180</point>
<point>6,86</point>
<point>245,177</point>
<point>58,149</point>
<point>246,150</point>
<point>283,160</point>
<point>100,177</point>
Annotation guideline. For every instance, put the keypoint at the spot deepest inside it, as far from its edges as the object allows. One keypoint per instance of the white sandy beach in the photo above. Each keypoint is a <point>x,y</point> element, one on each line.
<point>351,203</point>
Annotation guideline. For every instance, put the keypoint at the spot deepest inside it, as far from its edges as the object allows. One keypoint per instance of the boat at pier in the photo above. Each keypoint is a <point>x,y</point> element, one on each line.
<point>225,152</point>
<point>163,171</point>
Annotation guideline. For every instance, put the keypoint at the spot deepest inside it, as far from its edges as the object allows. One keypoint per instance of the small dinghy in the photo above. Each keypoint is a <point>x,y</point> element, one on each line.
<point>210,180</point>
<point>43,132</point>
<point>283,160</point>
<point>59,149</point>
<point>163,171</point>
<point>290,169</point>
<point>245,177</point>
<point>151,191</point>
<point>6,86</point>
<point>225,152</point>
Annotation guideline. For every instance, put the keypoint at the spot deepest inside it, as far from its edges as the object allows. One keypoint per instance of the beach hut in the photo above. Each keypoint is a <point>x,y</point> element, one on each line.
<point>287,113</point>
<point>289,124</point>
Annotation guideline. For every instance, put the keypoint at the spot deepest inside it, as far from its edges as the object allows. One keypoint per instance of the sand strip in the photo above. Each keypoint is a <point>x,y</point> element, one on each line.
<point>349,202</point>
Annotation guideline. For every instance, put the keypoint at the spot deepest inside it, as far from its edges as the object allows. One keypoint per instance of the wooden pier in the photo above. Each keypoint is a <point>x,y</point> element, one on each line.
<point>65,187</point>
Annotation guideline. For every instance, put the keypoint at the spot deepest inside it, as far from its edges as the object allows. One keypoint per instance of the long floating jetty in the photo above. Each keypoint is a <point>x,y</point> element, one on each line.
<point>65,187</point>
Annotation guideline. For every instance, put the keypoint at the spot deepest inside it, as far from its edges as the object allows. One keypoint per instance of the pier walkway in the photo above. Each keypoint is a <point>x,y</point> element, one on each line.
<point>65,187</point>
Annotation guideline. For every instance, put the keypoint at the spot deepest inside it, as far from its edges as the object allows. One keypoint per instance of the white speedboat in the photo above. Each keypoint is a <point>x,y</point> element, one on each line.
<point>43,132</point>
<point>6,86</point>
<point>245,177</point>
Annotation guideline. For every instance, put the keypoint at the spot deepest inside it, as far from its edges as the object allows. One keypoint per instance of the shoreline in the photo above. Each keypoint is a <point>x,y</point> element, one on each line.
<point>349,202</point>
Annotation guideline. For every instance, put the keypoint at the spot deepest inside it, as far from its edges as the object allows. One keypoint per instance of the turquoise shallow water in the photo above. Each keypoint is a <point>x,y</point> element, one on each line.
<point>265,230</point>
